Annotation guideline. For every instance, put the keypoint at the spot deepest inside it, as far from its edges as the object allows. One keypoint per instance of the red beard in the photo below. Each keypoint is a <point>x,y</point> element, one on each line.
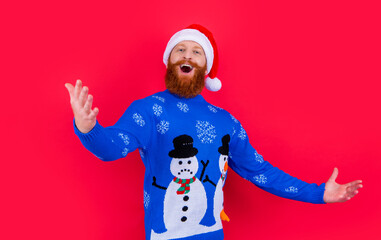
<point>185,86</point>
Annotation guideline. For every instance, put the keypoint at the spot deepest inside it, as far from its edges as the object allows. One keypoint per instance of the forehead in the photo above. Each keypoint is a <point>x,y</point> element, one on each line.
<point>189,43</point>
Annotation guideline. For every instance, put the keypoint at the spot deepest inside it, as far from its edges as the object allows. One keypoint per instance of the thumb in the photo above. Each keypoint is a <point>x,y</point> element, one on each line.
<point>334,175</point>
<point>70,88</point>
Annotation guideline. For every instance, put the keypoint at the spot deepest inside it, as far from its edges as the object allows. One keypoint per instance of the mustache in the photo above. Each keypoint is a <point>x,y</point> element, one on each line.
<point>193,64</point>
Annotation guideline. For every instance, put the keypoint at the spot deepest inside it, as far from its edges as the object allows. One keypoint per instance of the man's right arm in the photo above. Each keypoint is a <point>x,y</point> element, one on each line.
<point>107,143</point>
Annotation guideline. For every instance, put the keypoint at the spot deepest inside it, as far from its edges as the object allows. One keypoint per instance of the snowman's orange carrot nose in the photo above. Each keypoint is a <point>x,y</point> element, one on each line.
<point>223,216</point>
<point>226,166</point>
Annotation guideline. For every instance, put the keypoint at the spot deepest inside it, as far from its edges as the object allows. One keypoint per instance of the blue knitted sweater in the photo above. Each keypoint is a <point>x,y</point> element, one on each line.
<point>187,146</point>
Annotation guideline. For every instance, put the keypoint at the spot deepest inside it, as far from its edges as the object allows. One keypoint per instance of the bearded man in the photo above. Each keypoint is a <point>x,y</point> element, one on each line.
<point>186,145</point>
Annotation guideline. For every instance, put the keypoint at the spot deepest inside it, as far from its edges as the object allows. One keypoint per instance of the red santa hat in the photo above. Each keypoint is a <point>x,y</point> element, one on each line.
<point>205,38</point>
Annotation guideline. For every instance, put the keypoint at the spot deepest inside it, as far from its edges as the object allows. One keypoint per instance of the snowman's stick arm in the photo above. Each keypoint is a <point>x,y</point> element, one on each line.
<point>156,185</point>
<point>203,168</point>
<point>208,180</point>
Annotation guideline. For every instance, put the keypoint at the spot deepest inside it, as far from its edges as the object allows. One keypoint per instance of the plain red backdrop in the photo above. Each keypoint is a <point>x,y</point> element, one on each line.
<point>303,78</point>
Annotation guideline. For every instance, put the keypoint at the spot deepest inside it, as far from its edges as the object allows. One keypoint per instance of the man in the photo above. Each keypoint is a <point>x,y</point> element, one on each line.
<point>187,145</point>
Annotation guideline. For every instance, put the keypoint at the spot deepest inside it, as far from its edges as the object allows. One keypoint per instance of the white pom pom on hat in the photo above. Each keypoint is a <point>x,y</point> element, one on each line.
<point>204,37</point>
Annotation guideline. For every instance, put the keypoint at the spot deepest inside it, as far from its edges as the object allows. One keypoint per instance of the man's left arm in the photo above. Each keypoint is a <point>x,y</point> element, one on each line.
<point>246,162</point>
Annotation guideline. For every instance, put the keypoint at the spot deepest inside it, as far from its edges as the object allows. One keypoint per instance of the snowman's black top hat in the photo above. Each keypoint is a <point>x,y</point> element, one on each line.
<point>183,147</point>
<point>224,149</point>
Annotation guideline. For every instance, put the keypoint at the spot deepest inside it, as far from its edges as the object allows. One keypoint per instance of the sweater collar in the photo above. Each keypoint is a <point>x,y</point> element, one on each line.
<point>197,98</point>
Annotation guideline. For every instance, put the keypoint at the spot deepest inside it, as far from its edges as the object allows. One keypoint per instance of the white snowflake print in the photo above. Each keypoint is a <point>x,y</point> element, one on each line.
<point>159,98</point>
<point>141,153</point>
<point>206,132</point>
<point>230,155</point>
<point>162,127</point>
<point>125,138</point>
<point>212,109</point>
<point>218,108</point>
<point>98,157</point>
<point>292,189</point>
<point>242,134</point>
<point>125,151</point>
<point>157,109</point>
<point>234,119</point>
<point>234,131</point>
<point>183,107</point>
<point>258,157</point>
<point>146,199</point>
<point>261,179</point>
<point>138,119</point>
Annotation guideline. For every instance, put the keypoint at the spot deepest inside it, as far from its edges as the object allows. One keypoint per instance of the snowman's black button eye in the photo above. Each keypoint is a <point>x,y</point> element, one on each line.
<point>180,162</point>
<point>189,162</point>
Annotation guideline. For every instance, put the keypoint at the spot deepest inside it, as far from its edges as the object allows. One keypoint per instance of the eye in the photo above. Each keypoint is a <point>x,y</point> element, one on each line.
<point>180,162</point>
<point>224,158</point>
<point>181,50</point>
<point>196,52</point>
<point>189,162</point>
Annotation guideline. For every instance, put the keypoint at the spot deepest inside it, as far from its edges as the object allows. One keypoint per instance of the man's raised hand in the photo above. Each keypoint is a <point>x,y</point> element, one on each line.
<point>335,192</point>
<point>81,103</point>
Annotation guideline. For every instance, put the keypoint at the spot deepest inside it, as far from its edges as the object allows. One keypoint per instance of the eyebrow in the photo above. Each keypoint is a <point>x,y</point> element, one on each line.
<point>180,45</point>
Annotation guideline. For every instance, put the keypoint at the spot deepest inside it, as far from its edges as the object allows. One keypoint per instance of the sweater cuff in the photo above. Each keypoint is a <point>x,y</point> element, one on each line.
<point>318,195</point>
<point>88,137</point>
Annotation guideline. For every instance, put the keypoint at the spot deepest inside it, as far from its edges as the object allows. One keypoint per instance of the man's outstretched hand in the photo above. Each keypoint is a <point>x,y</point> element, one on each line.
<point>81,102</point>
<point>335,192</point>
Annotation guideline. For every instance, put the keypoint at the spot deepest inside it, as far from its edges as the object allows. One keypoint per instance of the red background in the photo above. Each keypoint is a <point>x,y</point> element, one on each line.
<point>303,78</point>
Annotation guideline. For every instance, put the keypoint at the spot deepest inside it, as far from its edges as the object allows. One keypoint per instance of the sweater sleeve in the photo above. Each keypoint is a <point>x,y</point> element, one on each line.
<point>250,165</point>
<point>131,131</point>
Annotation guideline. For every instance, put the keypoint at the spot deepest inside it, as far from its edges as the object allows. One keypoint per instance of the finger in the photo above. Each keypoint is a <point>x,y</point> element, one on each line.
<point>70,89</point>
<point>356,187</point>
<point>352,187</point>
<point>94,113</point>
<point>83,96</point>
<point>88,104</point>
<point>351,194</point>
<point>350,190</point>
<point>78,88</point>
<point>334,175</point>
<point>355,184</point>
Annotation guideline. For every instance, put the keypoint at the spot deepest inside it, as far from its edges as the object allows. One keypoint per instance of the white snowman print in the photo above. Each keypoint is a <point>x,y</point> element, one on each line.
<point>185,201</point>
<point>218,207</point>
<point>184,204</point>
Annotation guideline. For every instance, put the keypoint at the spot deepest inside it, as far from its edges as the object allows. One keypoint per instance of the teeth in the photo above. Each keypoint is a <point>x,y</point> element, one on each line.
<point>186,65</point>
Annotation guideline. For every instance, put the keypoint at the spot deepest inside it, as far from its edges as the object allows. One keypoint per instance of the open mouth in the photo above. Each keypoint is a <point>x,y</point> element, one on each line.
<point>186,68</point>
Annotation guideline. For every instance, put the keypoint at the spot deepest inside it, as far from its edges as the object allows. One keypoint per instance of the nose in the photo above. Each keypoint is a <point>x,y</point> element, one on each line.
<point>226,166</point>
<point>187,55</point>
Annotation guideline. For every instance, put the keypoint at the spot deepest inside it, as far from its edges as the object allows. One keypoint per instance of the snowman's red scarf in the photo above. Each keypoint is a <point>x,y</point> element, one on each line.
<point>223,175</point>
<point>185,184</point>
